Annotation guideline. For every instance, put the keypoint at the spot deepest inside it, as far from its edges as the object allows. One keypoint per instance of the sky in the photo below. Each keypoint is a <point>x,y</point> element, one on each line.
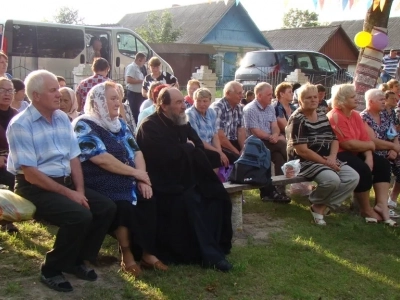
<point>267,14</point>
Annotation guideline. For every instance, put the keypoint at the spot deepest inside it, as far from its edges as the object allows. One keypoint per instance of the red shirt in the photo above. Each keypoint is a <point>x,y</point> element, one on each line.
<point>347,128</point>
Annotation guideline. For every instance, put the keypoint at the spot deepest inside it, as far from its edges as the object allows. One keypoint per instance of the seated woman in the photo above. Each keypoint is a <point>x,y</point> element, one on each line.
<point>357,149</point>
<point>19,102</point>
<point>154,90</point>
<point>381,129</point>
<point>114,166</point>
<point>68,103</point>
<point>310,138</point>
<point>192,86</point>
<point>203,120</point>
<point>283,107</point>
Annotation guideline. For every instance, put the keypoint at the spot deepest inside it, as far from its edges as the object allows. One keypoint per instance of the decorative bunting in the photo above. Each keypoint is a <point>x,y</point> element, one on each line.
<point>382,4</point>
<point>376,4</point>
<point>344,4</point>
<point>237,2</point>
<point>285,3</point>
<point>351,2</point>
<point>315,3</point>
<point>321,3</point>
<point>397,7</point>
<point>369,3</point>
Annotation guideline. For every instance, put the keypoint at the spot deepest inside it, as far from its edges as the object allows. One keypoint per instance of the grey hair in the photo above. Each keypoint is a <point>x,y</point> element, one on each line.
<point>229,86</point>
<point>261,86</point>
<point>340,93</point>
<point>34,82</point>
<point>202,93</point>
<point>372,94</point>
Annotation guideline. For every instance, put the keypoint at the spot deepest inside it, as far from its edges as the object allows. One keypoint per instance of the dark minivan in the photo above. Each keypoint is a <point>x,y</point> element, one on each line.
<point>273,66</point>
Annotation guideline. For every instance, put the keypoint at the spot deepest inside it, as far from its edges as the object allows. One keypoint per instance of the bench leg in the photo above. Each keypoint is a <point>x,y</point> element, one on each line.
<point>237,217</point>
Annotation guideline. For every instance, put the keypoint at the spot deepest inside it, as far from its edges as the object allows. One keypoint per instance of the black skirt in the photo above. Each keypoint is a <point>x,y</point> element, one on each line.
<point>141,221</point>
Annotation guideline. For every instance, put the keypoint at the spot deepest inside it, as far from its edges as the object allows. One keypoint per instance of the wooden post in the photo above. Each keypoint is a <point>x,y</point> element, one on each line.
<point>237,217</point>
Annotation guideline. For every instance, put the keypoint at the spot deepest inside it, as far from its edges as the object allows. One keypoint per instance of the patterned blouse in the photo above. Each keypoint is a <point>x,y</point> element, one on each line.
<point>318,136</point>
<point>86,84</point>
<point>95,140</point>
<point>379,129</point>
<point>206,127</point>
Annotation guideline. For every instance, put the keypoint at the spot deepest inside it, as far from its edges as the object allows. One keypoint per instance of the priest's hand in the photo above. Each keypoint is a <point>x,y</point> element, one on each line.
<point>145,190</point>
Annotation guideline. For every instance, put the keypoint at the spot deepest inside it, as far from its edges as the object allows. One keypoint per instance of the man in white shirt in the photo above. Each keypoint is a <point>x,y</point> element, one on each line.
<point>134,80</point>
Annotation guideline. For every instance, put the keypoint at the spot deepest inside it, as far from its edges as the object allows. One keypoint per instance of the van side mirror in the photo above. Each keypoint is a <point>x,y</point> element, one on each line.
<point>117,62</point>
<point>82,59</point>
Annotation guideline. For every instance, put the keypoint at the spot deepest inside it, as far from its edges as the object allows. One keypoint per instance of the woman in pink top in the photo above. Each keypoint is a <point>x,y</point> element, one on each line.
<point>357,149</point>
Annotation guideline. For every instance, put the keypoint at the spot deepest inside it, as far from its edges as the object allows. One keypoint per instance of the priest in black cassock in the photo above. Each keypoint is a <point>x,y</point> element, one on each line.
<point>194,209</point>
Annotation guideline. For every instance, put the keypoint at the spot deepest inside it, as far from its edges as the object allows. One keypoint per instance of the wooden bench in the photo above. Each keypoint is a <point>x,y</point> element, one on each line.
<point>236,194</point>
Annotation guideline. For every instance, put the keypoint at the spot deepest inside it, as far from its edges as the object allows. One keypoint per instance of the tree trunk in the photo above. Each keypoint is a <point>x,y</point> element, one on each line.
<point>370,59</point>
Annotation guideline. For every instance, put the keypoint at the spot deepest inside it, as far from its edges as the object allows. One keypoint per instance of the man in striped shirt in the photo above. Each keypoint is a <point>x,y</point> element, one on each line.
<point>390,63</point>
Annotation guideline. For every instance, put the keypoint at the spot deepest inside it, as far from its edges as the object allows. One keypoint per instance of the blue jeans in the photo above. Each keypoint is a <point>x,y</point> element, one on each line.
<point>385,77</point>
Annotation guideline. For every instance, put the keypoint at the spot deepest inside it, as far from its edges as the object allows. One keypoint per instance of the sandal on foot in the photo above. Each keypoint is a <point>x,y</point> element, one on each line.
<point>158,265</point>
<point>390,223</point>
<point>277,198</point>
<point>369,220</point>
<point>82,272</point>
<point>134,269</point>
<point>393,214</point>
<point>318,218</point>
<point>392,204</point>
<point>57,283</point>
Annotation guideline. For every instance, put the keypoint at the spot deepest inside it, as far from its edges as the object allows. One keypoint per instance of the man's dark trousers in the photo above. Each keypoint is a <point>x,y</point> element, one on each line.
<point>81,231</point>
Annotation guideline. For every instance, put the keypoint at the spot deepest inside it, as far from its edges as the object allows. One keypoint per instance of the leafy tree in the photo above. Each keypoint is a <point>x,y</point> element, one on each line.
<point>68,15</point>
<point>295,18</point>
<point>159,28</point>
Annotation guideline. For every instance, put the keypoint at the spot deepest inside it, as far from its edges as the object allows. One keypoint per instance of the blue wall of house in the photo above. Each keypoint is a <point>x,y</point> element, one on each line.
<point>235,29</point>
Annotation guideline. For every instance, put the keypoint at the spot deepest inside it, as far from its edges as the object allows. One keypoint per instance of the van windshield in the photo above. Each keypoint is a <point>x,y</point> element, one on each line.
<point>259,59</point>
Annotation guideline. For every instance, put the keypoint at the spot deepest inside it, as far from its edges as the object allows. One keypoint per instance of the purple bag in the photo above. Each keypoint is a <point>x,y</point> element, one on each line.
<point>223,173</point>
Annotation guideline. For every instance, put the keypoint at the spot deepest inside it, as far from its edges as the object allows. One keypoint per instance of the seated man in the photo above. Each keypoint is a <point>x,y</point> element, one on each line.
<point>193,207</point>
<point>260,121</point>
<point>44,157</point>
<point>230,123</point>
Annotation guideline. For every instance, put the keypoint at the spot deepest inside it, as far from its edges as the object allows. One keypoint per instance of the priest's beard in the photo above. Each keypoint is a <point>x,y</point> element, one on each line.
<point>178,119</point>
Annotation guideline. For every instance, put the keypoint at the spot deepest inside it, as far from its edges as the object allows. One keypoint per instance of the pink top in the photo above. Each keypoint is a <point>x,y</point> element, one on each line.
<point>347,128</point>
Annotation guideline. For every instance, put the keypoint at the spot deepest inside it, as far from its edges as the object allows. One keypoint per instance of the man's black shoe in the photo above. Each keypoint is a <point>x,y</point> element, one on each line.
<point>57,283</point>
<point>223,266</point>
<point>82,272</point>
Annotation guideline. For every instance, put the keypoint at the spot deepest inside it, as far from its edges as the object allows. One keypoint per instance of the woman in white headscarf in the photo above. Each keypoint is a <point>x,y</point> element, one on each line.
<point>114,166</point>
<point>68,103</point>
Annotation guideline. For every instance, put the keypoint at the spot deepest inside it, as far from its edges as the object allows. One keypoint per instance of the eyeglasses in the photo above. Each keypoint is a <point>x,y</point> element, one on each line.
<point>6,91</point>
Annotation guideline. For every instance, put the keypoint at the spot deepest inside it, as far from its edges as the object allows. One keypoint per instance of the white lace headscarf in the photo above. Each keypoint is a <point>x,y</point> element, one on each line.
<point>96,109</point>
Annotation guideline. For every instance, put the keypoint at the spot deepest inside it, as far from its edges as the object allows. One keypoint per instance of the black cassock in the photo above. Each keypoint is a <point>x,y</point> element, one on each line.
<point>193,208</point>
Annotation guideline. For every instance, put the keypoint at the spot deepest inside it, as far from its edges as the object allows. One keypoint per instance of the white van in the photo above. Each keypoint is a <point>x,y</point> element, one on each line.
<point>59,48</point>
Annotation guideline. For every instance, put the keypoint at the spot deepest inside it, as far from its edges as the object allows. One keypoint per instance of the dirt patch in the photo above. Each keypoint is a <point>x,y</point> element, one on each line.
<point>256,229</point>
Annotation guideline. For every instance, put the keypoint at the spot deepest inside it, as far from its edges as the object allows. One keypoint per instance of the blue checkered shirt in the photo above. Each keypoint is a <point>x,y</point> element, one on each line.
<point>34,142</point>
<point>206,127</point>
<point>229,119</point>
<point>257,117</point>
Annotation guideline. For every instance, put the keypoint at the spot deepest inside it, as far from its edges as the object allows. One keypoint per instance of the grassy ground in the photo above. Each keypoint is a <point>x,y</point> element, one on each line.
<point>280,255</point>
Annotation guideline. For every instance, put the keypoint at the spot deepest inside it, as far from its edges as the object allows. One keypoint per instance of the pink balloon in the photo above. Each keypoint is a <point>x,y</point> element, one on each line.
<point>380,40</point>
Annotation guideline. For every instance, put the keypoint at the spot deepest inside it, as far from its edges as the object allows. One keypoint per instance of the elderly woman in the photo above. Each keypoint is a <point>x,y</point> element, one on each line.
<point>358,150</point>
<point>203,120</point>
<point>311,140</point>
<point>114,166</point>
<point>381,129</point>
<point>191,87</point>
<point>19,102</point>
<point>6,114</point>
<point>69,103</point>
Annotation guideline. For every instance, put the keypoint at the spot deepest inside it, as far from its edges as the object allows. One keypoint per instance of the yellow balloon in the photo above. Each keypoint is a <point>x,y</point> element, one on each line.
<point>363,39</point>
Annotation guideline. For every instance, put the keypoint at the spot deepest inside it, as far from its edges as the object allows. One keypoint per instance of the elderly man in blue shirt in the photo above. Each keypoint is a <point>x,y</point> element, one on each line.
<point>44,157</point>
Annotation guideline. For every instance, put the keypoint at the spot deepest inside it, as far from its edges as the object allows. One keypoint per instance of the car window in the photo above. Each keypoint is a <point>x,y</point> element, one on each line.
<point>304,61</point>
<point>259,59</point>
<point>323,64</point>
<point>287,62</point>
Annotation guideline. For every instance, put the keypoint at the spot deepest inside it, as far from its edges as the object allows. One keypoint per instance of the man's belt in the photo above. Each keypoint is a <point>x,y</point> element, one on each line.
<point>64,180</point>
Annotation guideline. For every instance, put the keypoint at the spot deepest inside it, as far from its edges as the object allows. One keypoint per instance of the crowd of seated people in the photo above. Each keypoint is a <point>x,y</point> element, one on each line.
<point>154,186</point>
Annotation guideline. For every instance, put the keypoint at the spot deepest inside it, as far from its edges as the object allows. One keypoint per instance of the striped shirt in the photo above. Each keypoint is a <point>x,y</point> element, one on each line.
<point>390,64</point>
<point>205,126</point>
<point>229,119</point>
<point>34,142</point>
<point>318,136</point>
<point>255,116</point>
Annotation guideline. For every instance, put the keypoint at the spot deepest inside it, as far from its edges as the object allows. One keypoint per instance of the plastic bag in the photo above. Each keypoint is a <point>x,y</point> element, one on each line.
<point>223,173</point>
<point>391,133</point>
<point>301,188</point>
<point>291,168</point>
<point>14,208</point>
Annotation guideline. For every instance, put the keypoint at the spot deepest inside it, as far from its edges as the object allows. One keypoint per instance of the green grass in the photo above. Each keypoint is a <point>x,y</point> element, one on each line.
<point>347,259</point>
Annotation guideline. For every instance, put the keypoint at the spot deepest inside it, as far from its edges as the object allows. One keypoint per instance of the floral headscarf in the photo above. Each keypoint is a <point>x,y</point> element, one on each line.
<point>96,109</point>
<point>73,112</point>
